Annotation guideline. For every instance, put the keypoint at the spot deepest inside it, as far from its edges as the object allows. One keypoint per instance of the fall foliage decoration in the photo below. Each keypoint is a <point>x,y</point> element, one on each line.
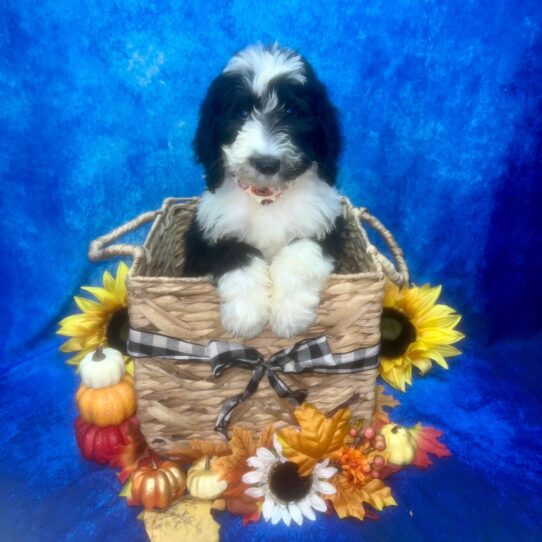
<point>102,368</point>
<point>323,463</point>
<point>157,485</point>
<point>187,520</point>
<point>400,444</point>
<point>318,438</point>
<point>287,496</point>
<point>427,443</point>
<point>232,467</point>
<point>203,482</point>
<point>348,500</point>
<point>100,444</point>
<point>103,322</point>
<point>415,333</point>
<point>107,406</point>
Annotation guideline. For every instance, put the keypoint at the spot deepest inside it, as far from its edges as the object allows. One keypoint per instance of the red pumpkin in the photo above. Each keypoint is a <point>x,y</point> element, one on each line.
<point>100,444</point>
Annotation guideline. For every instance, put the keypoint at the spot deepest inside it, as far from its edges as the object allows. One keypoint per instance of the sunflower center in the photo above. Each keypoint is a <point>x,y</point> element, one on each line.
<point>286,484</point>
<point>397,333</point>
<point>117,330</point>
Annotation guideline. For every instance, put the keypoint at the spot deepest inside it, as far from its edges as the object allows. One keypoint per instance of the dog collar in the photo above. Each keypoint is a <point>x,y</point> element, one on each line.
<point>264,195</point>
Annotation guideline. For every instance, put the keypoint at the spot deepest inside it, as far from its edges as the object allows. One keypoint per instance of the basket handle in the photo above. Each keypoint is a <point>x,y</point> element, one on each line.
<point>99,250</point>
<point>396,273</point>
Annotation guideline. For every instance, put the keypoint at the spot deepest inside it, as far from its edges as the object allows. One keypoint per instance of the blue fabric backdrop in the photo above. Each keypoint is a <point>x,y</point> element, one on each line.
<point>441,105</point>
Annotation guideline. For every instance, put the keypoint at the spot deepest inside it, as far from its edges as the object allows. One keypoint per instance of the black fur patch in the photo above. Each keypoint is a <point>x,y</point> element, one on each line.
<point>220,119</point>
<point>203,258</point>
<point>333,243</point>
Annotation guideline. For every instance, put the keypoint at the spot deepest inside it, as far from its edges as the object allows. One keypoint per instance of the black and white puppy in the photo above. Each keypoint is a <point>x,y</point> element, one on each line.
<point>268,227</point>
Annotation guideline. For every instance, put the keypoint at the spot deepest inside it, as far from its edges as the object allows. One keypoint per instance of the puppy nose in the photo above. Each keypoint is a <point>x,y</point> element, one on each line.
<point>268,165</point>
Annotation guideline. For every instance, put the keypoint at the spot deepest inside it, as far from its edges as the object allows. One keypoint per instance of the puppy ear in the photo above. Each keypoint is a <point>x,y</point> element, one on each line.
<point>207,141</point>
<point>329,141</point>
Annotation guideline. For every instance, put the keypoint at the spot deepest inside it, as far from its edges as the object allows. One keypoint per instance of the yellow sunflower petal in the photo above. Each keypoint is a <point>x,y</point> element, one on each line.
<point>387,364</point>
<point>447,350</point>
<point>428,297</point>
<point>422,364</point>
<point>102,295</point>
<point>436,336</point>
<point>72,345</point>
<point>130,368</point>
<point>120,280</point>
<point>86,305</point>
<point>75,360</point>
<point>108,282</point>
<point>397,378</point>
<point>448,322</point>
<point>389,377</point>
<point>437,357</point>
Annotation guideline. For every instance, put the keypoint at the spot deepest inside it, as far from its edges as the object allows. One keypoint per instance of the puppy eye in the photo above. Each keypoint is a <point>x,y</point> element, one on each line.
<point>289,110</point>
<point>243,114</point>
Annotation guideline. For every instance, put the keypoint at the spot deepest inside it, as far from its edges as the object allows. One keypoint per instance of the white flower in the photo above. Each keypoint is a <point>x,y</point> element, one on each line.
<point>287,496</point>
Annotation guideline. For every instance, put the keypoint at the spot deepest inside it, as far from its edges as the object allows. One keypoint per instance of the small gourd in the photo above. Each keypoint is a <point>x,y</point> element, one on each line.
<point>202,482</point>
<point>107,406</point>
<point>158,484</point>
<point>102,368</point>
<point>100,444</point>
<point>400,444</point>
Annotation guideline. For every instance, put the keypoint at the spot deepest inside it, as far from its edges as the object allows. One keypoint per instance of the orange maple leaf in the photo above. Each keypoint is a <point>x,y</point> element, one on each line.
<point>265,440</point>
<point>427,443</point>
<point>232,467</point>
<point>318,438</point>
<point>380,416</point>
<point>348,500</point>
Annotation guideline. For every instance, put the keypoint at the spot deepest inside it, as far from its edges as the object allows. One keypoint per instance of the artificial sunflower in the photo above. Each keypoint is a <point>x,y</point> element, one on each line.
<point>415,332</point>
<point>101,322</point>
<point>287,496</point>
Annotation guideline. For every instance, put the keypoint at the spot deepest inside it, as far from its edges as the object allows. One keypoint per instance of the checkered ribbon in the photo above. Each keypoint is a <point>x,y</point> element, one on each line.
<point>309,355</point>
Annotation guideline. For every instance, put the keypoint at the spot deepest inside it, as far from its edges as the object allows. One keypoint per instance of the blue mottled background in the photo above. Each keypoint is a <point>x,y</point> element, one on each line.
<point>441,103</point>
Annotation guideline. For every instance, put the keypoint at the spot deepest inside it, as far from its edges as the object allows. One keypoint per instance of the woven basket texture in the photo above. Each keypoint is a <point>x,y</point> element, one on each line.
<point>180,401</point>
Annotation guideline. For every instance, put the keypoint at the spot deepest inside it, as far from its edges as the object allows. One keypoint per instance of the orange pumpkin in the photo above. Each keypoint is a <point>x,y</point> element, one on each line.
<point>107,406</point>
<point>158,485</point>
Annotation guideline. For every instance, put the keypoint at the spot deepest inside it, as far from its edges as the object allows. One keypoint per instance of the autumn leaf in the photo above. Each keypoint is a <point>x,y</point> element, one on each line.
<point>126,491</point>
<point>265,440</point>
<point>427,443</point>
<point>232,467</point>
<point>377,494</point>
<point>134,454</point>
<point>198,448</point>
<point>318,438</point>
<point>380,416</point>
<point>187,519</point>
<point>348,500</point>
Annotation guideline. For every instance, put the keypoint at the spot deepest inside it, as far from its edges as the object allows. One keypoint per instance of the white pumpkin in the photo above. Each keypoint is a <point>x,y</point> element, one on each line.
<point>102,368</point>
<point>202,482</point>
<point>400,444</point>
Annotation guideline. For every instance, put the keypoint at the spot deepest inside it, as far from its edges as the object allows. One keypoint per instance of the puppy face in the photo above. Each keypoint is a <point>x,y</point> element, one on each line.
<point>265,120</point>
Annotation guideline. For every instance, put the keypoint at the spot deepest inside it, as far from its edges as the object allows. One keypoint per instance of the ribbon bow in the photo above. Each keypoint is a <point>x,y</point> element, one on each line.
<point>309,355</point>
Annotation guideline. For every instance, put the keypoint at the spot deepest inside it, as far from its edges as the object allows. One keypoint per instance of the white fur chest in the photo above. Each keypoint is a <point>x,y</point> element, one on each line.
<point>307,209</point>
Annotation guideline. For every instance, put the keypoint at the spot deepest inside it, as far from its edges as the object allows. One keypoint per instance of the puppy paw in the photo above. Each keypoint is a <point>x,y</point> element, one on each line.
<point>245,299</point>
<point>294,314</point>
<point>297,273</point>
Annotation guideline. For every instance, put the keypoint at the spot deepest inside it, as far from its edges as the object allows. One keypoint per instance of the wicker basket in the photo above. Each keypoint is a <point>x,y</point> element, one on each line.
<point>178,400</point>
